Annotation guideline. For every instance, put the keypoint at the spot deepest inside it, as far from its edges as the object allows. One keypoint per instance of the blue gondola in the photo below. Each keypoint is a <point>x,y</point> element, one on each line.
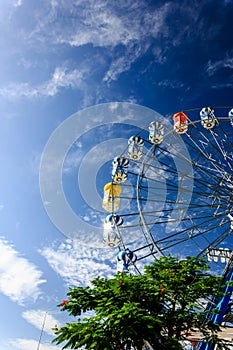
<point>113,219</point>
<point>124,259</point>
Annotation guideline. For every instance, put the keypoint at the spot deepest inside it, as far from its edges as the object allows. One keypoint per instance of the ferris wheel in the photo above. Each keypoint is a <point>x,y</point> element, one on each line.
<point>171,191</point>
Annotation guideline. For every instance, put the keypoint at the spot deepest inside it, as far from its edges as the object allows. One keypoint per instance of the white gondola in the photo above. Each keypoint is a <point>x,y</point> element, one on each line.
<point>119,169</point>
<point>208,119</point>
<point>111,239</point>
<point>113,220</point>
<point>135,147</point>
<point>230,115</point>
<point>156,132</point>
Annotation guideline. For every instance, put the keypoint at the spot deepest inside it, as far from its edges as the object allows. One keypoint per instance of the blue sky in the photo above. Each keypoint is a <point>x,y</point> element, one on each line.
<point>58,58</point>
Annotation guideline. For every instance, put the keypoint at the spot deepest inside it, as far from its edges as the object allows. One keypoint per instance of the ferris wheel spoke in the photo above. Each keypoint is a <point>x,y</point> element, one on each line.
<point>216,147</point>
<point>206,142</point>
<point>210,172</point>
<point>216,242</point>
<point>199,218</point>
<point>194,238</point>
<point>206,192</point>
<point>202,251</point>
<point>223,181</point>
<point>192,207</point>
<point>167,219</point>
<point>168,152</point>
<point>206,199</point>
<point>209,159</point>
<point>207,186</point>
<point>224,154</point>
<point>202,203</point>
<point>228,143</point>
<point>193,231</point>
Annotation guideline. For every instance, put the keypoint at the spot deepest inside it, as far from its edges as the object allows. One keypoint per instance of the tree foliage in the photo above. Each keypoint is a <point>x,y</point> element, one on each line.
<point>161,306</point>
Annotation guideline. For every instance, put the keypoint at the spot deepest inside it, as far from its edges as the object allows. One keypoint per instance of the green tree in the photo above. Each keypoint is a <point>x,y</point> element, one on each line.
<point>161,307</point>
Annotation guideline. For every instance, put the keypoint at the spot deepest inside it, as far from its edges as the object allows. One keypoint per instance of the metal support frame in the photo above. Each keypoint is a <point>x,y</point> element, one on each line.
<point>220,303</point>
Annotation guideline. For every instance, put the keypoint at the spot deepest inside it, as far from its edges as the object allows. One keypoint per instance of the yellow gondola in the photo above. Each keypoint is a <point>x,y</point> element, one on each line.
<point>111,202</point>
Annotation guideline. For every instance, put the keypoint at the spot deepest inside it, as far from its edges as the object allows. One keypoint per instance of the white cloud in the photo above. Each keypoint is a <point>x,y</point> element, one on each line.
<point>125,31</point>
<point>77,264</point>
<point>118,66</point>
<point>29,344</point>
<point>213,67</point>
<point>62,78</point>
<point>38,317</point>
<point>121,29</point>
<point>100,24</point>
<point>172,84</point>
<point>106,26</point>
<point>139,39</point>
<point>222,86</point>
<point>20,280</point>
<point>72,160</point>
<point>18,3</point>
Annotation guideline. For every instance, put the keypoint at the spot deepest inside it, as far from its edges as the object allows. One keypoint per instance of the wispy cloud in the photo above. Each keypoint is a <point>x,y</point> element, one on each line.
<point>214,66</point>
<point>72,160</point>
<point>105,39</point>
<point>172,84</point>
<point>121,30</point>
<point>20,280</point>
<point>18,3</point>
<point>62,78</point>
<point>106,24</point>
<point>38,317</point>
<point>221,72</point>
<point>77,264</point>
<point>222,85</point>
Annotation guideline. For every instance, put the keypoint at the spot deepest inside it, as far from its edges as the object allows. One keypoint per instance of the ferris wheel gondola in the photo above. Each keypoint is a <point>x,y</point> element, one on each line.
<point>135,147</point>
